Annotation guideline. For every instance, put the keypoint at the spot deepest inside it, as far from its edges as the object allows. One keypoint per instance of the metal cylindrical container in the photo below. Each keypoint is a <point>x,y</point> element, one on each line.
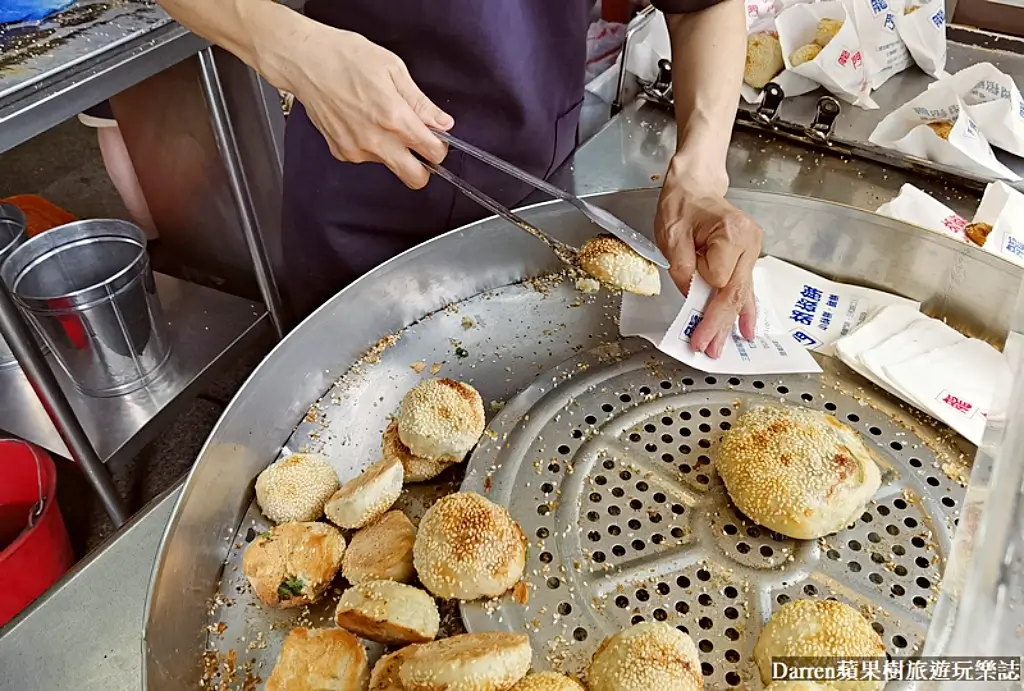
<point>12,235</point>
<point>88,287</point>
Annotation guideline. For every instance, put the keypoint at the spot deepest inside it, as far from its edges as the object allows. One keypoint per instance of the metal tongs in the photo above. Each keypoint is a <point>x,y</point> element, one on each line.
<point>637,242</point>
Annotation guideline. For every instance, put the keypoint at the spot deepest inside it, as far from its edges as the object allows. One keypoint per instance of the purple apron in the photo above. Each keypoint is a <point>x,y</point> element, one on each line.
<point>511,74</point>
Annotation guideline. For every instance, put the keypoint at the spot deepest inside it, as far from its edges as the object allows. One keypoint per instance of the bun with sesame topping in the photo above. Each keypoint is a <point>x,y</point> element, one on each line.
<point>441,419</point>
<point>823,629</point>
<point>468,548</point>
<point>417,468</point>
<point>295,489</point>
<point>492,661</point>
<point>547,681</point>
<point>388,612</point>
<point>292,564</point>
<point>363,500</point>
<point>646,657</point>
<point>797,471</point>
<point>385,673</point>
<point>382,551</point>
<point>320,660</point>
<point>612,262</point>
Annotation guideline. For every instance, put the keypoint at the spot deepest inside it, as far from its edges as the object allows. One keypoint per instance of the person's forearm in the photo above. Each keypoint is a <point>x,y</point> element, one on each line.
<point>261,33</point>
<point>708,53</point>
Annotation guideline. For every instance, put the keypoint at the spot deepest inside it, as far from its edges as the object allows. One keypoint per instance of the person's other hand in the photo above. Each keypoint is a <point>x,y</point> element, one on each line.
<point>364,101</point>
<point>698,230</point>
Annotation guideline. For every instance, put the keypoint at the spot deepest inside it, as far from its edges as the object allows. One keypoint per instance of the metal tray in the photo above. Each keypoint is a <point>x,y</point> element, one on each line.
<point>529,343</point>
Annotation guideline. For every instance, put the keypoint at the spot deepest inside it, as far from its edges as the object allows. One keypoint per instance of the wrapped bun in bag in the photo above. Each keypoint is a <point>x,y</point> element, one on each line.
<point>764,61</point>
<point>922,26</point>
<point>883,50</point>
<point>915,206</point>
<point>993,101</point>
<point>936,126</point>
<point>998,225</point>
<point>820,44</point>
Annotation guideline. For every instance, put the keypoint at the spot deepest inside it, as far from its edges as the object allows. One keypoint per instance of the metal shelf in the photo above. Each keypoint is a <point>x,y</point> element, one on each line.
<point>205,326</point>
<point>53,70</point>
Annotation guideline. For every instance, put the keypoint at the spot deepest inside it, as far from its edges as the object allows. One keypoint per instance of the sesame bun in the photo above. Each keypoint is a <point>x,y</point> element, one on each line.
<point>612,262</point>
<point>827,30</point>
<point>764,59</point>
<point>388,612</point>
<point>941,128</point>
<point>320,660</point>
<point>795,686</point>
<point>363,500</point>
<point>978,233</point>
<point>385,673</point>
<point>293,563</point>
<point>490,661</point>
<point>804,54</point>
<point>547,681</point>
<point>295,489</point>
<point>797,471</point>
<point>646,657</point>
<point>417,468</point>
<point>441,419</point>
<point>382,551</point>
<point>468,548</point>
<point>818,629</point>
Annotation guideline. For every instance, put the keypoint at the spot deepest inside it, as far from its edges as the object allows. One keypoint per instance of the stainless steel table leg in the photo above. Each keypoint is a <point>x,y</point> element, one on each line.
<point>38,372</point>
<point>228,145</point>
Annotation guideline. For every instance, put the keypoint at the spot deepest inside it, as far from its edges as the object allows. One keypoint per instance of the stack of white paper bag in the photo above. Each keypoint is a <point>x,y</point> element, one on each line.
<point>927,364</point>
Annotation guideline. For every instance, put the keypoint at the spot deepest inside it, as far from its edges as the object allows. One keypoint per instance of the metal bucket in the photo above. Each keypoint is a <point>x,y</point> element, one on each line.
<point>12,235</point>
<point>88,287</point>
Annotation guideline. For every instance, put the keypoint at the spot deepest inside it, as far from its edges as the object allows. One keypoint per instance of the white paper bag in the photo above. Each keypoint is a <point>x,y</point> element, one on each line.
<point>920,337</point>
<point>906,130</point>
<point>920,208</point>
<point>817,312</point>
<point>668,320</point>
<point>1002,207</point>
<point>792,84</point>
<point>924,33</point>
<point>994,102</point>
<point>955,384</point>
<point>883,50</point>
<point>839,67</point>
<point>877,329</point>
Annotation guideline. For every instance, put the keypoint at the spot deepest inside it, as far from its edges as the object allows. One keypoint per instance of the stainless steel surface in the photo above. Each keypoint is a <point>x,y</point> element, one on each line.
<point>566,254</point>
<point>12,234</point>
<point>88,288</point>
<point>606,462</point>
<point>516,332</point>
<point>83,635</point>
<point>227,143</point>
<point>205,326</point>
<point>639,243</point>
<point>90,52</point>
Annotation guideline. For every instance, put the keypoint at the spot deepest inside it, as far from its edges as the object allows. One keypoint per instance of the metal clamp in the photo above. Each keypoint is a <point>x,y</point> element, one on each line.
<point>771,101</point>
<point>825,115</point>
<point>660,90</point>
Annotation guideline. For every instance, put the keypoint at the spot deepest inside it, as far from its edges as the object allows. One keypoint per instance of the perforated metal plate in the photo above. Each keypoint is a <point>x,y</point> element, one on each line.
<point>607,462</point>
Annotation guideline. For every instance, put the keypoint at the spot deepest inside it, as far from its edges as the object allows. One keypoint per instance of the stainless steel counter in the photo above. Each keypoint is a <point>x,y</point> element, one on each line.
<point>85,635</point>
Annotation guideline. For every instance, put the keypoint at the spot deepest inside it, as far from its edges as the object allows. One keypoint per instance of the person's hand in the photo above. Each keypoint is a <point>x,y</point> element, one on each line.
<point>698,230</point>
<point>363,100</point>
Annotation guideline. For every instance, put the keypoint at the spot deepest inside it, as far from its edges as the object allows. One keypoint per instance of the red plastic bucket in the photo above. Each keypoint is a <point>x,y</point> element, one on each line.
<point>34,547</point>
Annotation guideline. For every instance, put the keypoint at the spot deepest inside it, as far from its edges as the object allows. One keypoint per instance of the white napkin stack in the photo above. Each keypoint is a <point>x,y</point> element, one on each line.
<point>929,365</point>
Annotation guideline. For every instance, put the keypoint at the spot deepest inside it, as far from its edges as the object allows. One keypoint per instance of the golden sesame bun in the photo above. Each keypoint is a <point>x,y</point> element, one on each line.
<point>382,551</point>
<point>417,468</point>
<point>385,673</point>
<point>818,629</point>
<point>797,471</point>
<point>645,657</point>
<point>804,54</point>
<point>441,419</point>
<point>295,489</point>
<point>292,564</point>
<point>468,547</point>
<point>612,262</point>
<point>827,30</point>
<point>764,59</point>
<point>388,612</point>
<point>471,662</point>
<point>363,500</point>
<point>320,660</point>
<point>547,681</point>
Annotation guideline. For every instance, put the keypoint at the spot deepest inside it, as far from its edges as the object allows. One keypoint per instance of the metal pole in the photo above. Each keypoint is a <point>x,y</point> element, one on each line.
<point>228,146</point>
<point>38,372</point>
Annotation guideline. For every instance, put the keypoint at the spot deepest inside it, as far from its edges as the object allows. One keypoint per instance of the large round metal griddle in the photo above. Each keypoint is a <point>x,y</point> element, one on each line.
<point>603,451</point>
